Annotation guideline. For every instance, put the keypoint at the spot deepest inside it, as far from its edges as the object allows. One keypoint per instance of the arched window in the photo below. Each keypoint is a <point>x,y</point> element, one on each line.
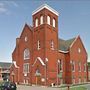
<point>38,72</point>
<point>61,65</point>
<point>36,22</point>
<point>54,23</point>
<point>48,20</point>
<point>79,66</point>
<point>85,67</point>
<point>38,44</point>
<point>73,66</point>
<point>26,54</point>
<point>52,44</point>
<point>26,38</point>
<point>79,50</point>
<point>41,20</point>
<point>26,68</point>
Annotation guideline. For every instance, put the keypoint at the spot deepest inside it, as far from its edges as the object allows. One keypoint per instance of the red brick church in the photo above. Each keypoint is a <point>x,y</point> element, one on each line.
<point>42,58</point>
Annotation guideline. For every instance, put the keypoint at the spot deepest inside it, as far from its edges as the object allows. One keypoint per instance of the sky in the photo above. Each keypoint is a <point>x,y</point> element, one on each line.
<point>74,20</point>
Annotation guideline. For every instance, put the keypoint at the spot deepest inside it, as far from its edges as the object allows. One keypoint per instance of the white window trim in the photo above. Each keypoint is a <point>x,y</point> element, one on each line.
<point>80,66</point>
<point>36,22</point>
<point>85,67</point>
<point>26,71</point>
<point>62,69</point>
<point>79,50</point>
<point>48,20</point>
<point>73,63</point>
<point>26,53</point>
<point>41,20</point>
<point>26,38</point>
<point>52,44</point>
<point>54,22</point>
<point>61,66</point>
<point>38,45</point>
<point>60,62</point>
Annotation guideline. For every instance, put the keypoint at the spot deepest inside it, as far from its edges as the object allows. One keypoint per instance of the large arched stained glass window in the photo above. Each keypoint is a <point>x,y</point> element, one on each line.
<point>26,54</point>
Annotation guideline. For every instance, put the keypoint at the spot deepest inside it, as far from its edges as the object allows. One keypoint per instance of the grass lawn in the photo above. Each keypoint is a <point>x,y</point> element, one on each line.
<point>78,88</point>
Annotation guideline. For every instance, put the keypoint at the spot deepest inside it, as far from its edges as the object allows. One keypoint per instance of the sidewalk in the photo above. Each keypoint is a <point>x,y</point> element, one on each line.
<point>65,87</point>
<point>25,87</point>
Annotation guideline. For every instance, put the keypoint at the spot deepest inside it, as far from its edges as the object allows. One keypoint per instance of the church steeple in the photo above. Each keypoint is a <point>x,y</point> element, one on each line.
<point>46,7</point>
<point>45,15</point>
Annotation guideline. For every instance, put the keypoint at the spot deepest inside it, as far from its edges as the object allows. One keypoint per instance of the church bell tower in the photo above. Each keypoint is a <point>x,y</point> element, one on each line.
<point>45,37</point>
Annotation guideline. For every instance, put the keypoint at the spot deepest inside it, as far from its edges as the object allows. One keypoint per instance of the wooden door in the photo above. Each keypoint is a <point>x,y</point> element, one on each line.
<point>38,80</point>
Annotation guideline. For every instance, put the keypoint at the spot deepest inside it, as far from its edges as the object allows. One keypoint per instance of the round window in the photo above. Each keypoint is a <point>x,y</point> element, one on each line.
<point>26,39</point>
<point>79,50</point>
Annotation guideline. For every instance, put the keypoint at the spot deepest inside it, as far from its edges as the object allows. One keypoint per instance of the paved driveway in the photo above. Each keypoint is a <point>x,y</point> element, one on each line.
<point>22,87</point>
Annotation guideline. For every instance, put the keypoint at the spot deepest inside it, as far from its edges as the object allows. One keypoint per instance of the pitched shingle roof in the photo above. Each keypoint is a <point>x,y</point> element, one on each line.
<point>65,44</point>
<point>5,65</point>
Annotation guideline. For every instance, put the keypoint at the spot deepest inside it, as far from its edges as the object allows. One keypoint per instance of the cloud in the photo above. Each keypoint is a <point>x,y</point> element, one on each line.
<point>1,4</point>
<point>88,59</point>
<point>13,3</point>
<point>89,56</point>
<point>2,8</point>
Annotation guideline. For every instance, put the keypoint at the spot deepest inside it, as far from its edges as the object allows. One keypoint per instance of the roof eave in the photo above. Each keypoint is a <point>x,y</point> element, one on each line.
<point>47,7</point>
<point>74,41</point>
<point>63,51</point>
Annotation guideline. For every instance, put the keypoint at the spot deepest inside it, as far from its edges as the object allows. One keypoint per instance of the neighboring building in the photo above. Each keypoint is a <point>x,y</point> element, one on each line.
<point>41,58</point>
<point>89,71</point>
<point>4,71</point>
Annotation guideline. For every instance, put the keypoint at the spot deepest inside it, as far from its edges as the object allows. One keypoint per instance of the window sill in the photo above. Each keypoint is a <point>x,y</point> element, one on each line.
<point>73,71</point>
<point>61,71</point>
<point>52,49</point>
<point>27,59</point>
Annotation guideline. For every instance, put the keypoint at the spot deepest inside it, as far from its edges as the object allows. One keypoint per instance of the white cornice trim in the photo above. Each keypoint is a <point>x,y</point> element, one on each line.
<point>63,51</point>
<point>47,7</point>
<point>14,62</point>
<point>74,41</point>
<point>41,61</point>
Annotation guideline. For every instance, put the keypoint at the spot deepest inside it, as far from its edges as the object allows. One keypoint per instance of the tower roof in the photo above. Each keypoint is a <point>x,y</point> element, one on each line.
<point>47,7</point>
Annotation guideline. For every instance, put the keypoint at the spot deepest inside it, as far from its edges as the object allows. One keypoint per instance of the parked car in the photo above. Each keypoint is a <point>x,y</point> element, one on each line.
<point>8,86</point>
